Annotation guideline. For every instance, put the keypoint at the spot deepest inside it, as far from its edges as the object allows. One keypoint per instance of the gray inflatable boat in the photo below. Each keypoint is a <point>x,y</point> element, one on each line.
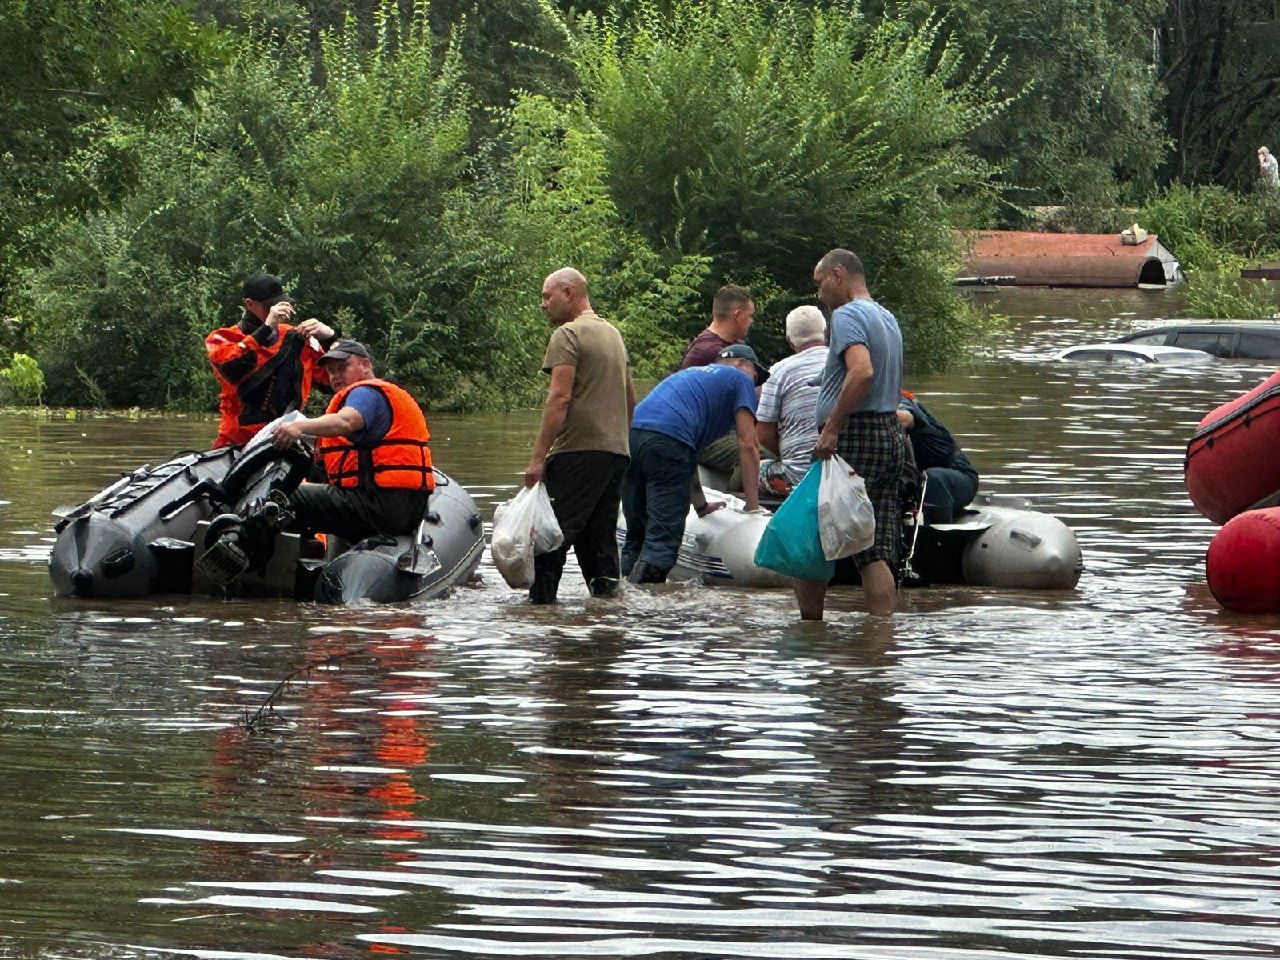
<point>150,531</point>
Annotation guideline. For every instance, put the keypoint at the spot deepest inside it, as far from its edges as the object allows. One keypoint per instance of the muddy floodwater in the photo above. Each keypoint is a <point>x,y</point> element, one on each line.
<point>684,772</point>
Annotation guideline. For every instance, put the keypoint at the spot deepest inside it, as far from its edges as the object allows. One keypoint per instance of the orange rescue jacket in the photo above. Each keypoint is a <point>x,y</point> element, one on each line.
<point>400,460</point>
<point>259,382</point>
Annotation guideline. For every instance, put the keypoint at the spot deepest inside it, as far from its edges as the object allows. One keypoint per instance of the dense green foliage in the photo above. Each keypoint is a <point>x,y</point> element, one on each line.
<point>414,171</point>
<point>762,135</point>
<point>1082,121</point>
<point>22,381</point>
<point>1216,232</point>
<point>389,209</point>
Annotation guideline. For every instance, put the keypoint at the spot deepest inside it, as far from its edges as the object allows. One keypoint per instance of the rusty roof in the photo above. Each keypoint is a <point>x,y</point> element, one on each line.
<point>1063,259</point>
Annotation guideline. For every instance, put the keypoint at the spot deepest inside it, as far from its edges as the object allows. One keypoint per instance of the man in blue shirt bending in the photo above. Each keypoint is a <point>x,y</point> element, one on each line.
<point>679,417</point>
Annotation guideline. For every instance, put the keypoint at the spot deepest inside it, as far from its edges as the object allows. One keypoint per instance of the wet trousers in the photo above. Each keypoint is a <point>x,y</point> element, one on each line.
<point>947,492</point>
<point>655,499</point>
<point>585,487</point>
<point>354,513</point>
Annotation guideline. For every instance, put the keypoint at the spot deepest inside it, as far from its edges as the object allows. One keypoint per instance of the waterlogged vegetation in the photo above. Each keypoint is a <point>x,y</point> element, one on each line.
<point>413,171</point>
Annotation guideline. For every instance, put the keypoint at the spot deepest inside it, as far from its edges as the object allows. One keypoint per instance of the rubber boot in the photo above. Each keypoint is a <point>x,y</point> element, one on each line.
<point>647,573</point>
<point>604,587</point>
<point>544,587</point>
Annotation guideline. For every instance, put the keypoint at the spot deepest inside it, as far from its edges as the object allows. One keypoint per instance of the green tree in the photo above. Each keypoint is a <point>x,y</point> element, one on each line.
<point>1220,61</point>
<point>1083,118</point>
<point>762,134</point>
<point>340,188</point>
<point>69,68</point>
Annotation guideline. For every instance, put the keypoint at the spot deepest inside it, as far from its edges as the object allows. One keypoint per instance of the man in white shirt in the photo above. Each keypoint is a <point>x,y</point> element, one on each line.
<point>786,423</point>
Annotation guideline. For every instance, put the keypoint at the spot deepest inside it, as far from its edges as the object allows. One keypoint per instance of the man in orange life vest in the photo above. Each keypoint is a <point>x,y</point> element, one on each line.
<point>264,364</point>
<point>373,446</point>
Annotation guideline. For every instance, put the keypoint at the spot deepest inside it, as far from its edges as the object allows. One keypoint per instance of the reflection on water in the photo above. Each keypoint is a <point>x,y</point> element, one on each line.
<point>685,772</point>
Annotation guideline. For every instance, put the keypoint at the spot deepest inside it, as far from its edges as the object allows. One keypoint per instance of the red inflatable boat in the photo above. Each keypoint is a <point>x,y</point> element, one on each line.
<point>1232,461</point>
<point>1243,564</point>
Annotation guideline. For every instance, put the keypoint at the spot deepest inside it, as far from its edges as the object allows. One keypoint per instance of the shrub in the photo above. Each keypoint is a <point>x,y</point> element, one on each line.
<point>1214,232</point>
<point>761,134</point>
<point>23,380</point>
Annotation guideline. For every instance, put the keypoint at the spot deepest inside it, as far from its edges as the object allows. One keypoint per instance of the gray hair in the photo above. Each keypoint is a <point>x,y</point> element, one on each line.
<point>806,324</point>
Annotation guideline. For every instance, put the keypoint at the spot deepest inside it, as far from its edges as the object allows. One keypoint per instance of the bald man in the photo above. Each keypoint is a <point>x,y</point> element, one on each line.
<point>582,450</point>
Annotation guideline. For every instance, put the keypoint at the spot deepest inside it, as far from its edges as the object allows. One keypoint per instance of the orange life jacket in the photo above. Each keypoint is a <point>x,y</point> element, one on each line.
<point>400,460</point>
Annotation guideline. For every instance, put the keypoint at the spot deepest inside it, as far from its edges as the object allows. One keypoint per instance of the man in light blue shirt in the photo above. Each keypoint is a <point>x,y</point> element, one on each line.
<point>861,386</point>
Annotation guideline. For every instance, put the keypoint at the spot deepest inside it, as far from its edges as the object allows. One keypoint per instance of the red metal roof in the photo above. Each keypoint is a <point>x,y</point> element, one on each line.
<point>1062,259</point>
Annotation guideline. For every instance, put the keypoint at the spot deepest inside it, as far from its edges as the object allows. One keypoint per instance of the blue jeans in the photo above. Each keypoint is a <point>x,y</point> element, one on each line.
<point>655,499</point>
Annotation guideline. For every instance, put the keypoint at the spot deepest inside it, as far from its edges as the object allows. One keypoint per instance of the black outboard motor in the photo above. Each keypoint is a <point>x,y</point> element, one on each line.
<point>258,487</point>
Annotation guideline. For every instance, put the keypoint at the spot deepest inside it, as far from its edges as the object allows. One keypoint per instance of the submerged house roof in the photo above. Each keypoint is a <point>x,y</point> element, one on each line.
<point>1066,260</point>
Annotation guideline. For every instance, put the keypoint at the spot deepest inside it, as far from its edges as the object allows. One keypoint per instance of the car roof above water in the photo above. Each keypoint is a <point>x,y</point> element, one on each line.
<point>1250,340</point>
<point>1133,353</point>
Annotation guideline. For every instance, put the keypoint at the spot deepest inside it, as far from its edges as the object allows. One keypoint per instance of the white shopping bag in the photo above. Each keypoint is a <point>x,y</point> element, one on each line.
<point>846,520</point>
<point>523,527</point>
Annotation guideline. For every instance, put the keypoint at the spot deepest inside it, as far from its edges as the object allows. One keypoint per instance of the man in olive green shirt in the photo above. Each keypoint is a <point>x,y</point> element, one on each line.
<point>582,452</point>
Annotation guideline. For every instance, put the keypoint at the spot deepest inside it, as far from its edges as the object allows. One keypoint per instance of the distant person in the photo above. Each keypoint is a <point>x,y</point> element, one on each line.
<point>951,481</point>
<point>786,424</point>
<point>581,453</point>
<point>857,417</point>
<point>679,417</point>
<point>263,363</point>
<point>1268,169</point>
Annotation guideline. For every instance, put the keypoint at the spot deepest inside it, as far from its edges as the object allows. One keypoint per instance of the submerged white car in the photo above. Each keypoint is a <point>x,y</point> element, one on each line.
<point>1135,353</point>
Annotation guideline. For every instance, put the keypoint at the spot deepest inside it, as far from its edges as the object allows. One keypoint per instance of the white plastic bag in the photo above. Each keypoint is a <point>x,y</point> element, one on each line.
<point>846,520</point>
<point>523,527</point>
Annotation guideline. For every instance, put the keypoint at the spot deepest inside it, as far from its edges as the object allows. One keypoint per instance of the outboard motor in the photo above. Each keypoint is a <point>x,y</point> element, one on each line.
<point>258,486</point>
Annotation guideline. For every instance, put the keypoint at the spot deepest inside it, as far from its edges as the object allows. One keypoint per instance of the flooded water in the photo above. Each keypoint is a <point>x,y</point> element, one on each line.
<point>686,772</point>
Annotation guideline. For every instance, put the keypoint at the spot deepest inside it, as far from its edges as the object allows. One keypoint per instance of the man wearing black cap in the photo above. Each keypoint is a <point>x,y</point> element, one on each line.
<point>373,447</point>
<point>264,364</point>
<point>679,417</point>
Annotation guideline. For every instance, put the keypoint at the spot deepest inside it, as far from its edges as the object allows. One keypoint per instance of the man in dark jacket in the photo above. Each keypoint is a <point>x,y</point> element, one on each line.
<point>951,480</point>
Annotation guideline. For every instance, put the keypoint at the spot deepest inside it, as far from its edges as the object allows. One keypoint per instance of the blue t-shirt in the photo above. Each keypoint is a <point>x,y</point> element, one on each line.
<point>696,405</point>
<point>863,322</point>
<point>372,404</point>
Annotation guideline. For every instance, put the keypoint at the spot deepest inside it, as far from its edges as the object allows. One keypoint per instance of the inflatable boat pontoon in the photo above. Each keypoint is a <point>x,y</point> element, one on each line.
<point>997,542</point>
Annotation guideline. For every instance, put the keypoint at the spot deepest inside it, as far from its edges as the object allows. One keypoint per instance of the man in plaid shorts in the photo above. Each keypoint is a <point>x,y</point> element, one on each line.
<point>861,387</point>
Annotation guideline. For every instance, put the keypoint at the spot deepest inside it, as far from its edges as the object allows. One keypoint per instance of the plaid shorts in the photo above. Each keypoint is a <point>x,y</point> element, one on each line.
<point>875,445</point>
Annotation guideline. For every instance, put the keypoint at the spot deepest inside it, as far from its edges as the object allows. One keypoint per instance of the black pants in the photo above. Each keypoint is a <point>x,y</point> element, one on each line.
<point>353,513</point>
<point>585,487</point>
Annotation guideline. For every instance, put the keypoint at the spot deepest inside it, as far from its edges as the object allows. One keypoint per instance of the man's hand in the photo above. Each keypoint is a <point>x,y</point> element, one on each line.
<point>311,327</point>
<point>709,506</point>
<point>825,448</point>
<point>533,475</point>
<point>278,314</point>
<point>286,433</point>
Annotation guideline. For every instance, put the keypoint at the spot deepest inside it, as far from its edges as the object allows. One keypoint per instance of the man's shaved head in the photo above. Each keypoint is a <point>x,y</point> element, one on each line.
<point>564,295</point>
<point>568,277</point>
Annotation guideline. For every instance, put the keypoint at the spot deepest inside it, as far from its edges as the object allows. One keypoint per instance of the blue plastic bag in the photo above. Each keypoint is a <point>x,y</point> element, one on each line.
<point>791,543</point>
